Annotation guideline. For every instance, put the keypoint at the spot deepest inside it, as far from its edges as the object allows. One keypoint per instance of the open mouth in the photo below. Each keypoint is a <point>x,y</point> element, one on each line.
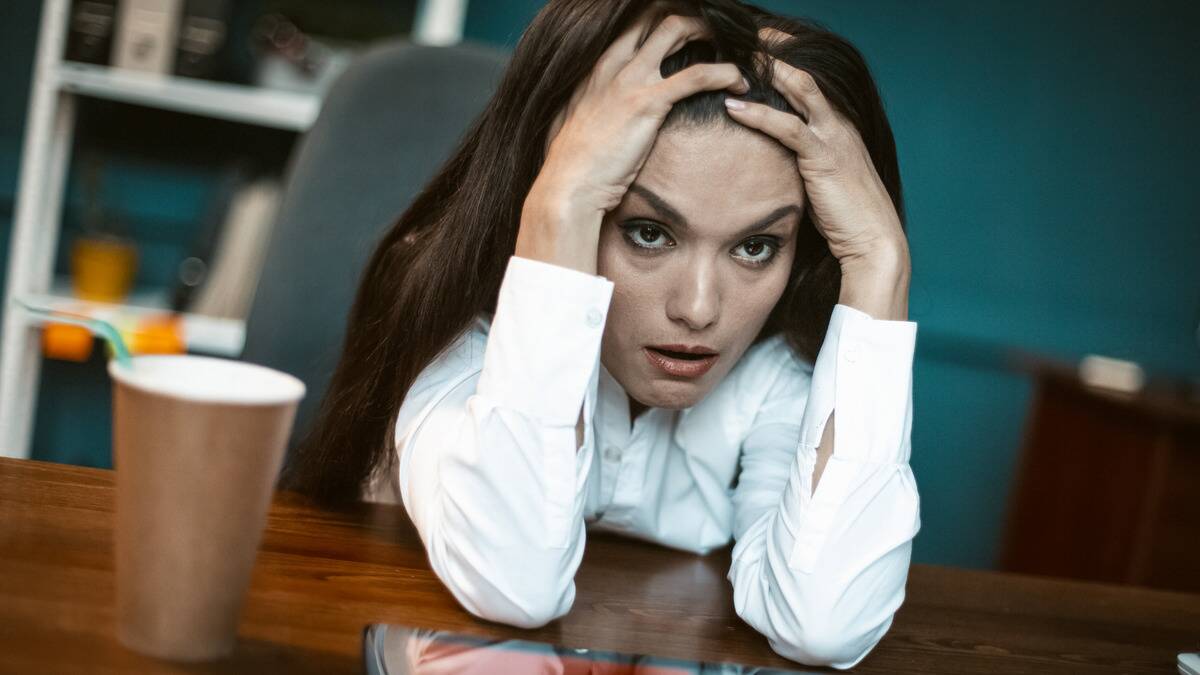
<point>676,362</point>
<point>683,356</point>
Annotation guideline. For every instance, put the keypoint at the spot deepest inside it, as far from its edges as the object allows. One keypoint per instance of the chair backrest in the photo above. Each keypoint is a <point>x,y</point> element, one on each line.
<point>387,124</point>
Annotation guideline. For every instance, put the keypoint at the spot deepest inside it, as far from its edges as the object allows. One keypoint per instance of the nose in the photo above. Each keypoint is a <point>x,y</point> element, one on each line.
<point>695,300</point>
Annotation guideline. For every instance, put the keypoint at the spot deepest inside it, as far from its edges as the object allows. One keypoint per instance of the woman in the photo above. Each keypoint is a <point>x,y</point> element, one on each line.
<point>665,255</point>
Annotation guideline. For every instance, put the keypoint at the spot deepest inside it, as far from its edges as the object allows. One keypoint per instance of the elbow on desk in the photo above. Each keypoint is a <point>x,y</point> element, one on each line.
<point>828,647</point>
<point>528,593</point>
<point>815,638</point>
<point>532,609</point>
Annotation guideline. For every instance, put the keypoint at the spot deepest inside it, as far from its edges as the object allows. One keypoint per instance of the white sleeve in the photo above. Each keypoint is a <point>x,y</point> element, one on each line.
<point>821,575</point>
<point>489,471</point>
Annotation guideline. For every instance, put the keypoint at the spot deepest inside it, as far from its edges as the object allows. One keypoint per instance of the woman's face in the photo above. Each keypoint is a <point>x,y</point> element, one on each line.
<point>699,252</point>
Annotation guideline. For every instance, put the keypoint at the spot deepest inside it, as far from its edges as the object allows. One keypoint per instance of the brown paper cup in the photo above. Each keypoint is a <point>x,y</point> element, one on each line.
<point>198,443</point>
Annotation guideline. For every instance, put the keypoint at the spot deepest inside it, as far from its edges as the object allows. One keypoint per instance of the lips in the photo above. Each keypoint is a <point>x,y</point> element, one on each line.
<point>690,361</point>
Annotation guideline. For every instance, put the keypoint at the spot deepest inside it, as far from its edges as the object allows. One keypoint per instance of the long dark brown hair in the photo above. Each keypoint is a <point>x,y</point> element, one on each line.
<point>440,265</point>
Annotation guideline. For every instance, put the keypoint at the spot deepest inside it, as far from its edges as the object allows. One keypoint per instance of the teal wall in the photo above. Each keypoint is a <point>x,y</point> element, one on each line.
<point>16,33</point>
<point>1043,148</point>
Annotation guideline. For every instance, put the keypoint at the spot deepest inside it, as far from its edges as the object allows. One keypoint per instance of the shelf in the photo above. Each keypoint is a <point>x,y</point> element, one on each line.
<point>203,334</point>
<point>240,103</point>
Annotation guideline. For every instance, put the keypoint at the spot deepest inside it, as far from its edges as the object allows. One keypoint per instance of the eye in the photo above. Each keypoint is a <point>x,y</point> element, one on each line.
<point>758,251</point>
<point>647,235</point>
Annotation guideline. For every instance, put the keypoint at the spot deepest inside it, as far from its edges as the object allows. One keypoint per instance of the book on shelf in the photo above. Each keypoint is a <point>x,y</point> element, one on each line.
<point>232,271</point>
<point>193,270</point>
<point>146,34</point>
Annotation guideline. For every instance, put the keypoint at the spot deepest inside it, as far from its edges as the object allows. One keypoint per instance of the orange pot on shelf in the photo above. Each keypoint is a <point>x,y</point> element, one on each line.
<point>150,335</point>
<point>158,335</point>
<point>67,342</point>
<point>102,268</point>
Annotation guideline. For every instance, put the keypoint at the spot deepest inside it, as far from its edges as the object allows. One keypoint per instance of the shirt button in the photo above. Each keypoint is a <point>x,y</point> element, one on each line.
<point>612,454</point>
<point>594,318</point>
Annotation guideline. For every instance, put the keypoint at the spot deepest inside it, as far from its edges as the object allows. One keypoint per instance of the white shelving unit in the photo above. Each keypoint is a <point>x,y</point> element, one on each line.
<point>239,103</point>
<point>204,334</point>
<point>46,152</point>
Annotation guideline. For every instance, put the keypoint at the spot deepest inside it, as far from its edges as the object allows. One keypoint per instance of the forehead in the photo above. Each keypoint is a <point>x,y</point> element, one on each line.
<point>721,175</point>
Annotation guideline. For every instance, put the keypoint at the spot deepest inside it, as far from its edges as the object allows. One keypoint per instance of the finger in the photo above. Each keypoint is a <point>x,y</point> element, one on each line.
<point>788,129</point>
<point>801,91</point>
<point>622,50</point>
<point>668,37</point>
<point>773,36</point>
<point>700,77</point>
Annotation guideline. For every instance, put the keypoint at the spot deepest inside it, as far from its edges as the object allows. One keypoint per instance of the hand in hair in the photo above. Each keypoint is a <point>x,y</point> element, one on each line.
<point>847,200</point>
<point>600,140</point>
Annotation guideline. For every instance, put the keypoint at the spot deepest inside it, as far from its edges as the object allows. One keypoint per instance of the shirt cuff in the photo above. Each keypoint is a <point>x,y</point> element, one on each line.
<point>544,340</point>
<point>870,363</point>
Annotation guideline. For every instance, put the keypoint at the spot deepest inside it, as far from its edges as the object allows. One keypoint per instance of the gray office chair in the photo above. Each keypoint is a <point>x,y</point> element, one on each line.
<point>387,124</point>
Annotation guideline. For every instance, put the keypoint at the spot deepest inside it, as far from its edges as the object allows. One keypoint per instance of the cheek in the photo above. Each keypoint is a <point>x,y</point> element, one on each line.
<point>757,294</point>
<point>777,278</point>
<point>636,286</point>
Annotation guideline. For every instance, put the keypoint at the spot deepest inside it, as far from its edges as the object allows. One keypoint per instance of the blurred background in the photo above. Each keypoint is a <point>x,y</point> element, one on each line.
<point>1047,154</point>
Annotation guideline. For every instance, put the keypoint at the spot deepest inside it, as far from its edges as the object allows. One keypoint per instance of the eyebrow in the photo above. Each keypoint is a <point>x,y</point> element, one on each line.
<point>666,210</point>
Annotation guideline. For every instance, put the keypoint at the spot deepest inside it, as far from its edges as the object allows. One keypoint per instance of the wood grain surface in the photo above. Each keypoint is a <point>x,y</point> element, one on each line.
<point>322,576</point>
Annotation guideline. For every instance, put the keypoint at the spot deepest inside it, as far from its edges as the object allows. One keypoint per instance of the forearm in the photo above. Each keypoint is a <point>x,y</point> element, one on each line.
<point>500,533</point>
<point>879,286</point>
<point>559,229</point>
<point>877,283</point>
<point>491,474</point>
<point>822,571</point>
<point>821,577</point>
<point>824,593</point>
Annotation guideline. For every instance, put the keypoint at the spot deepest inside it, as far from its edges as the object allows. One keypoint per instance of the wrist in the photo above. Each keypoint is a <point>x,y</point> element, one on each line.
<point>556,229</point>
<point>878,283</point>
<point>559,201</point>
<point>884,253</point>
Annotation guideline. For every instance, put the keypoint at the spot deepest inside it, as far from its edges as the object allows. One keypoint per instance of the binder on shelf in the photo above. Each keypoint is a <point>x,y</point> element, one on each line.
<point>203,34</point>
<point>146,35</point>
<point>90,31</point>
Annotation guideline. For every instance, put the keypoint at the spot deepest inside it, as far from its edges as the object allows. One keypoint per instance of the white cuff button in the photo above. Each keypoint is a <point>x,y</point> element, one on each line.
<point>594,317</point>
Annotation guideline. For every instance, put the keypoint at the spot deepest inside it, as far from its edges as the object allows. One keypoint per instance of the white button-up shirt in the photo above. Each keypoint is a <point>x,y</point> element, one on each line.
<point>490,472</point>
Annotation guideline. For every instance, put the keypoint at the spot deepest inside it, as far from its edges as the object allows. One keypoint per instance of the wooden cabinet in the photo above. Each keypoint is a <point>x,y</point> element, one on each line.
<point>1108,485</point>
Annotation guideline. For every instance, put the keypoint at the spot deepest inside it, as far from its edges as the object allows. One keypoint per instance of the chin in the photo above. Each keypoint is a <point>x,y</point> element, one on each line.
<point>673,395</point>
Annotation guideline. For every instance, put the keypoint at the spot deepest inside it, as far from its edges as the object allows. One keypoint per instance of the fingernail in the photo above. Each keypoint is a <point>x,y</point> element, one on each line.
<point>745,84</point>
<point>734,104</point>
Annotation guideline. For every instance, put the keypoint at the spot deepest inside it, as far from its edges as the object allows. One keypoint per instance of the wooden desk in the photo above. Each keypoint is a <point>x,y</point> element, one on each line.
<point>320,577</point>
